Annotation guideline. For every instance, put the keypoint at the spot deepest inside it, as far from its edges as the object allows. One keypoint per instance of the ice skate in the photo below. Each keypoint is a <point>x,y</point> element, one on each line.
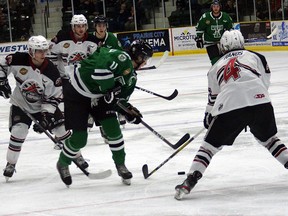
<point>124,173</point>
<point>64,174</point>
<point>9,171</point>
<point>187,185</point>
<point>80,161</point>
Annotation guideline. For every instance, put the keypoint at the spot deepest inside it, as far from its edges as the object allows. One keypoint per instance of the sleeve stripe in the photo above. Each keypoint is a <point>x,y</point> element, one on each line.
<point>102,74</point>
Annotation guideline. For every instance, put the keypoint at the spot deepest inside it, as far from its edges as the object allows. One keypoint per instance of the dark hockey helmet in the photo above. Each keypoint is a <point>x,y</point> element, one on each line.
<point>215,2</point>
<point>100,19</point>
<point>140,51</point>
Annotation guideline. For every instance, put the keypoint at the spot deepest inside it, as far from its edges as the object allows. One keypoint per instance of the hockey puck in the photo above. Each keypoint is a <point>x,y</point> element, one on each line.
<point>181,173</point>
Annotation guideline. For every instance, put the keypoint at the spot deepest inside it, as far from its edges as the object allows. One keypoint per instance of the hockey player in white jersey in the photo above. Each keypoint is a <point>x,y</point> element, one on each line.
<point>237,98</point>
<point>38,91</point>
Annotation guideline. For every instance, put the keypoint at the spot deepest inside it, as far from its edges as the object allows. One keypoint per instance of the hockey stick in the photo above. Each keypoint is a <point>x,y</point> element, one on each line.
<point>145,166</point>
<point>274,32</point>
<point>170,97</point>
<point>174,146</point>
<point>59,146</point>
<point>161,61</point>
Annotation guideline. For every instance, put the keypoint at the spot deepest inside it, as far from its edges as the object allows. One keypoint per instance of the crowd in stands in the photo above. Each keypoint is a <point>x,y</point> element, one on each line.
<point>120,13</point>
<point>181,16</point>
<point>21,17</point>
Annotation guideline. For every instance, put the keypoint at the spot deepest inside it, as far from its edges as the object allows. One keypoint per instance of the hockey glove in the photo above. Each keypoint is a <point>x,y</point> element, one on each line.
<point>5,89</point>
<point>207,119</point>
<point>48,122</point>
<point>111,96</point>
<point>199,42</point>
<point>134,116</point>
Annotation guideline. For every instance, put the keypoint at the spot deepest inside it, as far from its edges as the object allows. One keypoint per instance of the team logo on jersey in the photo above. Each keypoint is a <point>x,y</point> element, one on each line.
<point>122,57</point>
<point>207,22</point>
<point>76,57</point>
<point>259,96</point>
<point>31,90</point>
<point>66,45</point>
<point>127,71</point>
<point>23,71</point>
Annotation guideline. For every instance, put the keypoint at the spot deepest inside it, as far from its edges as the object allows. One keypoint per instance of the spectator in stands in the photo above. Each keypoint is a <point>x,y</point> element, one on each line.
<point>121,17</point>
<point>67,5</point>
<point>229,8</point>
<point>181,4</point>
<point>140,14</point>
<point>261,10</point>
<point>196,10</point>
<point>130,23</point>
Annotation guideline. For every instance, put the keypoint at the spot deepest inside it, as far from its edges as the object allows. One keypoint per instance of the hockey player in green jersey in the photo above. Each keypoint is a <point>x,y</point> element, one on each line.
<point>105,38</point>
<point>210,28</point>
<point>108,40</point>
<point>96,84</point>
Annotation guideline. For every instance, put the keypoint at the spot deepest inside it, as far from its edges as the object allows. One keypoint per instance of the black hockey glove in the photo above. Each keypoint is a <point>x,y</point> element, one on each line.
<point>199,42</point>
<point>5,89</point>
<point>111,96</point>
<point>134,116</point>
<point>48,122</point>
<point>207,119</point>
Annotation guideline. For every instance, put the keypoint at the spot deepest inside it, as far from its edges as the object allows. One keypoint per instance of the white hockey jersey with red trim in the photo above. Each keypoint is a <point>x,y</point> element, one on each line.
<point>239,79</point>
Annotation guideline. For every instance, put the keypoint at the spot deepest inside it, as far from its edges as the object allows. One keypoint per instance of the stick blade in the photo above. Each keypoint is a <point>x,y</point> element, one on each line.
<point>145,171</point>
<point>173,95</point>
<point>181,141</point>
<point>99,175</point>
<point>148,68</point>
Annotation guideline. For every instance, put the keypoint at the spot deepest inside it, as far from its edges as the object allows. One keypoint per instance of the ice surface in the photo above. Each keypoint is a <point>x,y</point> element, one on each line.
<point>241,180</point>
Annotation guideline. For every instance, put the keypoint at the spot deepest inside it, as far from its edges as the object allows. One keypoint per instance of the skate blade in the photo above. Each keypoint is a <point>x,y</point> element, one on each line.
<point>179,194</point>
<point>7,179</point>
<point>126,181</point>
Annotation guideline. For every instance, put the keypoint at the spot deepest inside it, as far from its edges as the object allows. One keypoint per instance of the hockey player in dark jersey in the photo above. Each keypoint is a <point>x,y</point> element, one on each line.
<point>69,48</point>
<point>105,77</point>
<point>38,91</point>
<point>210,28</point>
<point>237,98</point>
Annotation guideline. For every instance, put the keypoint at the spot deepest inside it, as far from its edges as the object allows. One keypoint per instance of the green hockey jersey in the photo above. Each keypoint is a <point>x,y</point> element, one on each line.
<point>102,71</point>
<point>213,27</point>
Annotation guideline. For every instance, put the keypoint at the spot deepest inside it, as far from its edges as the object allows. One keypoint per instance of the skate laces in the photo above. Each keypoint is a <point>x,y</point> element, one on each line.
<point>65,171</point>
<point>122,168</point>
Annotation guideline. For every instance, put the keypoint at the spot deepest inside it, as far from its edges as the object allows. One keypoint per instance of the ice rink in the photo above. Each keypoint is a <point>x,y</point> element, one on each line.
<point>242,180</point>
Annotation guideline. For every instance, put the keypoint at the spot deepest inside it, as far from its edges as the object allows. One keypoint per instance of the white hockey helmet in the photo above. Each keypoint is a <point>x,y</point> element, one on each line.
<point>37,43</point>
<point>78,19</point>
<point>231,40</point>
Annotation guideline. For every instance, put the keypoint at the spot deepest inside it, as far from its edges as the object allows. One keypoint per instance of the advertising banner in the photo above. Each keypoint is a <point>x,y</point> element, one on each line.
<point>255,33</point>
<point>7,48</point>
<point>183,38</point>
<point>280,37</point>
<point>158,39</point>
